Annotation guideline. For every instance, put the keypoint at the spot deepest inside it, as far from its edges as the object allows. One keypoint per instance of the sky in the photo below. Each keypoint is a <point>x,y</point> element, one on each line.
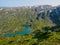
<point>16,3</point>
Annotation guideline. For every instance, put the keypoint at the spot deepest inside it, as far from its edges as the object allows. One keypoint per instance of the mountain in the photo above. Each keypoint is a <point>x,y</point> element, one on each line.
<point>44,21</point>
<point>53,14</point>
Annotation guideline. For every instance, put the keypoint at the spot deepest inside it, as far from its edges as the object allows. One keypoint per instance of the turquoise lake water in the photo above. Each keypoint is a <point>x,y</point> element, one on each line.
<point>25,31</point>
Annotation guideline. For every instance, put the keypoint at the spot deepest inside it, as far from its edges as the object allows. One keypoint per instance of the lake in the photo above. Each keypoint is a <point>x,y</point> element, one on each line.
<point>25,31</point>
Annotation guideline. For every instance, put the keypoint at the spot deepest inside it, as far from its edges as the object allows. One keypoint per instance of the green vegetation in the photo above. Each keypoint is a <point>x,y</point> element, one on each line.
<point>43,33</point>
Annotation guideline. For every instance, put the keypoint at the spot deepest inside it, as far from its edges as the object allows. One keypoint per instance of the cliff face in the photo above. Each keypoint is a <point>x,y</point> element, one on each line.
<point>55,15</point>
<point>52,13</point>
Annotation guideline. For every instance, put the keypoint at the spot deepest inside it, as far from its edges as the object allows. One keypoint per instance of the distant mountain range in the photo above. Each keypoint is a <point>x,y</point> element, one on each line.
<point>45,12</point>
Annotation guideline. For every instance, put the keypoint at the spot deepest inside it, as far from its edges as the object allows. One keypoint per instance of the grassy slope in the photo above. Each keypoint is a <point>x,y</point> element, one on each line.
<point>11,23</point>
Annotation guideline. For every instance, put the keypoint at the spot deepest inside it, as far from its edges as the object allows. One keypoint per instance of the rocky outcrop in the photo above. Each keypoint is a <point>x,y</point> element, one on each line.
<point>52,14</point>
